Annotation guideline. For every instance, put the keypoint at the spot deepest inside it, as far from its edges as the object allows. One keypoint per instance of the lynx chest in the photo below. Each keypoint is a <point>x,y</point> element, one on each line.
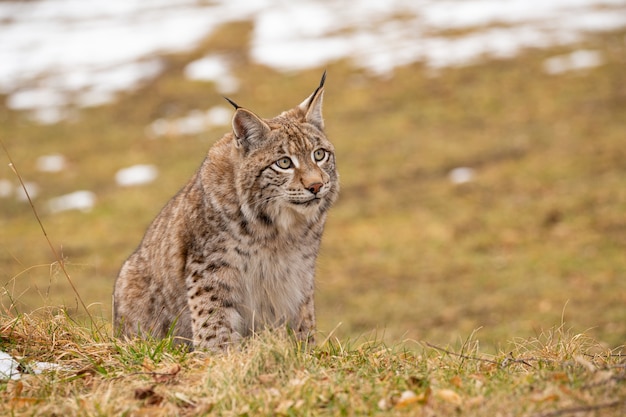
<point>275,284</point>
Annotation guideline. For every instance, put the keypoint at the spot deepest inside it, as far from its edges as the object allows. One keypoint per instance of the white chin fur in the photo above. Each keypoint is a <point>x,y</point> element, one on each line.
<point>292,214</point>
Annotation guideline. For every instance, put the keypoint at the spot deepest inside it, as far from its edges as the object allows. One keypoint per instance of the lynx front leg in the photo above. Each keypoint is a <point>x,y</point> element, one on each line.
<point>305,323</point>
<point>215,322</point>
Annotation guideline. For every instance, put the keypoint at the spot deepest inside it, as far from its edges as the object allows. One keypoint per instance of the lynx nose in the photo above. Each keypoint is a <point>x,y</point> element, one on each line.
<point>315,187</point>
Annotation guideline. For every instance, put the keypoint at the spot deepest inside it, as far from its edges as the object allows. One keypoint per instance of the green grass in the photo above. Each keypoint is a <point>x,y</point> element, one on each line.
<point>537,240</point>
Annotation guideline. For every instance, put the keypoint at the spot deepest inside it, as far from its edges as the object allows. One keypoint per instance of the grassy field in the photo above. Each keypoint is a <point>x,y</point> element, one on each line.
<point>555,374</point>
<point>536,241</point>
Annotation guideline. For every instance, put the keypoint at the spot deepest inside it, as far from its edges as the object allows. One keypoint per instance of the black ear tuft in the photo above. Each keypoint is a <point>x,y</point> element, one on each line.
<point>322,81</point>
<point>232,103</point>
<point>312,105</point>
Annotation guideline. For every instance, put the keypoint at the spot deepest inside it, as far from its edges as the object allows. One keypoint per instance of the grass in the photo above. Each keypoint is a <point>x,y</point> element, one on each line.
<point>535,241</point>
<point>555,374</point>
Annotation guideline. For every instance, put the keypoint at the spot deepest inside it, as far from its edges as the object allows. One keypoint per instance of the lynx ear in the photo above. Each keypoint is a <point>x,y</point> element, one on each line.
<point>248,128</point>
<point>312,106</point>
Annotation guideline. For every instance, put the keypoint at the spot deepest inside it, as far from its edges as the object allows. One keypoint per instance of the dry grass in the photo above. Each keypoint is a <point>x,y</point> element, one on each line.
<point>552,375</point>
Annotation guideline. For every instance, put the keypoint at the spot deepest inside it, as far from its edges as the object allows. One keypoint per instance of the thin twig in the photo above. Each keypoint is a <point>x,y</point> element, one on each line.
<point>43,229</point>
<point>502,364</point>
<point>153,374</point>
<point>461,355</point>
<point>581,409</point>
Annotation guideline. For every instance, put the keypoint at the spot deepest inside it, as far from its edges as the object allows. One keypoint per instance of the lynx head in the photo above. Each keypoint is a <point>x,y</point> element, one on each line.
<point>286,171</point>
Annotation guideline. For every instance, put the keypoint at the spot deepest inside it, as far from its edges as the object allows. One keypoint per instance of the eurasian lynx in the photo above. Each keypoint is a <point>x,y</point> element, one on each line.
<point>234,251</point>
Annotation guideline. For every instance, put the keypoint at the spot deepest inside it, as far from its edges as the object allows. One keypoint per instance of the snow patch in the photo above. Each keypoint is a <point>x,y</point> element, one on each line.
<point>312,33</point>
<point>33,191</point>
<point>581,59</point>
<point>51,163</point>
<point>136,175</point>
<point>219,116</point>
<point>11,369</point>
<point>193,123</point>
<point>214,68</point>
<point>78,200</point>
<point>461,175</point>
<point>59,54</point>
<point>6,188</point>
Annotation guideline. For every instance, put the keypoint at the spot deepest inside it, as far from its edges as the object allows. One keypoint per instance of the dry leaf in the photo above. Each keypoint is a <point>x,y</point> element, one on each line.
<point>560,376</point>
<point>166,374</point>
<point>284,406</point>
<point>148,395</point>
<point>20,402</point>
<point>147,364</point>
<point>87,374</point>
<point>456,381</point>
<point>143,393</point>
<point>267,379</point>
<point>155,399</point>
<point>87,371</point>
<point>409,397</point>
<point>449,396</point>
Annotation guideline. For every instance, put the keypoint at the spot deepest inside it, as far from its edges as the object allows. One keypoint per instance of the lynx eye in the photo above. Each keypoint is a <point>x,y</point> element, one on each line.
<point>284,163</point>
<point>319,154</point>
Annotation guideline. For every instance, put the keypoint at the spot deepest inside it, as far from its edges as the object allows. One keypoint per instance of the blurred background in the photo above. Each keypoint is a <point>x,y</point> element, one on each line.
<point>481,146</point>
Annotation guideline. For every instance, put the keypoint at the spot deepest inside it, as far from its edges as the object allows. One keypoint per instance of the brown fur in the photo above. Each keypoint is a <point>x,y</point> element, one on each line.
<point>234,251</point>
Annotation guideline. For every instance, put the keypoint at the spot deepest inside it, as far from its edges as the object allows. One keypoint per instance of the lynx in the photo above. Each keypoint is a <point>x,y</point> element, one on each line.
<point>234,251</point>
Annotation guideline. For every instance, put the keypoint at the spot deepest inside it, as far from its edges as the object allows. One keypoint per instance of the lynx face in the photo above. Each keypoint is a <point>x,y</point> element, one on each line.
<point>291,174</point>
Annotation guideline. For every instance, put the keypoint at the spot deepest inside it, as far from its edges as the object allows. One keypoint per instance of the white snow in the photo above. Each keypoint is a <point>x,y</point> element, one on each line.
<point>461,175</point>
<point>310,33</point>
<point>10,368</point>
<point>78,200</point>
<point>191,124</point>
<point>194,122</point>
<point>60,52</point>
<point>136,175</point>
<point>31,187</point>
<point>214,68</point>
<point>576,60</point>
<point>51,163</point>
<point>219,116</point>
<point>6,188</point>
<point>57,54</point>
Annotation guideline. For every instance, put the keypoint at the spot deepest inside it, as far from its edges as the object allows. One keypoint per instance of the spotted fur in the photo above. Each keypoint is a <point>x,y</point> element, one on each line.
<point>235,250</point>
